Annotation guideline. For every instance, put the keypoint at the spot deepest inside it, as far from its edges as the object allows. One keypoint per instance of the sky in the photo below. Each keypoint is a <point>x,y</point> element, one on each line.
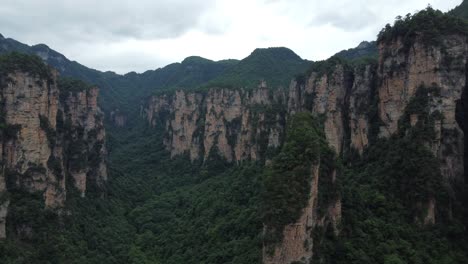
<point>139,35</point>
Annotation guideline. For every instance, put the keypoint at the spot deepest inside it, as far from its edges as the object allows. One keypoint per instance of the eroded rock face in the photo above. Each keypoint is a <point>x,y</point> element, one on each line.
<point>402,71</point>
<point>235,124</point>
<point>49,135</point>
<point>324,95</point>
<point>297,243</point>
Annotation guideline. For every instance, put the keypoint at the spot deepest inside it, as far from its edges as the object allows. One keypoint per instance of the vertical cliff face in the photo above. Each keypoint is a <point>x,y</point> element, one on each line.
<point>343,97</point>
<point>297,244</point>
<point>402,71</point>
<point>83,139</point>
<point>235,124</point>
<point>49,136</point>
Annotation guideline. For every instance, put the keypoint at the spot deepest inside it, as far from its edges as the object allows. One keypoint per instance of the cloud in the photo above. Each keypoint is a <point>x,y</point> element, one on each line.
<point>90,19</point>
<point>125,35</point>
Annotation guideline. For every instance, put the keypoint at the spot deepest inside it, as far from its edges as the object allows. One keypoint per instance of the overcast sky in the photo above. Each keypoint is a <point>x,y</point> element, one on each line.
<point>138,35</point>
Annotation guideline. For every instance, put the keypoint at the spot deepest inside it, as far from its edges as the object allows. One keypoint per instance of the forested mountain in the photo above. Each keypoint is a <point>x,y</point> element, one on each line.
<point>123,92</point>
<point>363,50</point>
<point>461,10</point>
<point>271,159</point>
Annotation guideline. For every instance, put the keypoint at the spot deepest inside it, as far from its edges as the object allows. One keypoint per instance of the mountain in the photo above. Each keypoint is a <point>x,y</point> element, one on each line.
<point>364,49</point>
<point>461,10</point>
<point>357,159</point>
<point>275,65</point>
<point>122,92</point>
<point>391,172</point>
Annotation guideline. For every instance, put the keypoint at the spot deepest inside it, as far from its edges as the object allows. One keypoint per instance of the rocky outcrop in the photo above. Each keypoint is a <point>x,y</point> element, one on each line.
<point>52,140</point>
<point>298,238</point>
<point>402,71</point>
<point>343,97</point>
<point>235,124</point>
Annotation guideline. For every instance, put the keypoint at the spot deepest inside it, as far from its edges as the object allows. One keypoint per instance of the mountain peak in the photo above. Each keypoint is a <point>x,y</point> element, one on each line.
<point>195,59</point>
<point>364,49</point>
<point>276,52</point>
<point>461,10</point>
<point>41,47</point>
<point>364,45</point>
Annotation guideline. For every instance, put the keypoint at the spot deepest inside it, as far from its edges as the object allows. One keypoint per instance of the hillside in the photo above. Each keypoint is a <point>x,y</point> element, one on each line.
<point>364,49</point>
<point>123,92</point>
<point>274,65</point>
<point>461,10</point>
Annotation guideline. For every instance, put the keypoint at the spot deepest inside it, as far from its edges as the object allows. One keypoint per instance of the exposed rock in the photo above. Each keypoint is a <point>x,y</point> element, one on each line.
<point>226,122</point>
<point>298,240</point>
<point>297,243</point>
<point>403,71</point>
<point>118,118</point>
<point>49,135</point>
<point>357,105</point>
<point>360,103</point>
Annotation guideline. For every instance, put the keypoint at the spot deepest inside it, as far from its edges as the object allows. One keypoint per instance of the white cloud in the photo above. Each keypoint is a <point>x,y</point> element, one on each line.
<point>129,35</point>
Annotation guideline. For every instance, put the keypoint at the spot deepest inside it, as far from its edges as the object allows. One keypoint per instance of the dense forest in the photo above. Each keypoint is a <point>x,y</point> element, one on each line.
<point>169,210</point>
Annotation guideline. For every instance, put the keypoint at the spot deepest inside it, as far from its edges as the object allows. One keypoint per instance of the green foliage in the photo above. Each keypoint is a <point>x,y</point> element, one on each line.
<point>276,66</point>
<point>326,67</point>
<point>66,84</point>
<point>10,131</point>
<point>461,10</point>
<point>386,196</point>
<point>429,24</point>
<point>163,210</point>
<point>423,130</point>
<point>157,210</point>
<point>50,132</point>
<point>31,64</point>
<point>273,115</point>
<point>384,203</point>
<point>198,224</point>
<point>365,49</point>
<point>287,181</point>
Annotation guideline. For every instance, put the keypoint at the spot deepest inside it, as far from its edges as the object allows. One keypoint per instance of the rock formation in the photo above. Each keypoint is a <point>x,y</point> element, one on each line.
<point>236,124</point>
<point>49,136</point>
<point>357,102</point>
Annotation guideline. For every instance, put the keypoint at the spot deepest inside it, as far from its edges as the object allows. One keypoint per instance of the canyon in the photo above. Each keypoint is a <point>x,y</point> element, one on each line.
<point>271,159</point>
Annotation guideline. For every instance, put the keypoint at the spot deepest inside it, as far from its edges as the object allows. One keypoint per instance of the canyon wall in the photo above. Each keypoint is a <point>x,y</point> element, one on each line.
<point>236,124</point>
<point>52,140</point>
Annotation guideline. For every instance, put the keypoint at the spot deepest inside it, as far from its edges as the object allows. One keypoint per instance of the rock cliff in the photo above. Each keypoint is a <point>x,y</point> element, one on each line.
<point>358,103</point>
<point>52,138</point>
<point>297,244</point>
<point>402,71</point>
<point>235,124</point>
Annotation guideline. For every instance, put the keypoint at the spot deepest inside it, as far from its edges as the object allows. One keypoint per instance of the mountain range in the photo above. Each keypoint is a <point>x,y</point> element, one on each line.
<point>271,159</point>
